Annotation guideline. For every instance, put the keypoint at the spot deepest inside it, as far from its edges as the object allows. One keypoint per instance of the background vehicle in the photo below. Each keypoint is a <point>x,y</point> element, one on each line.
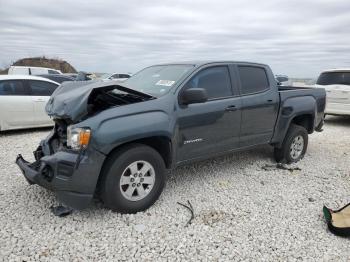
<point>80,76</point>
<point>116,139</point>
<point>337,85</point>
<point>282,79</point>
<point>58,78</point>
<point>22,101</point>
<point>73,75</point>
<point>31,70</point>
<point>115,76</point>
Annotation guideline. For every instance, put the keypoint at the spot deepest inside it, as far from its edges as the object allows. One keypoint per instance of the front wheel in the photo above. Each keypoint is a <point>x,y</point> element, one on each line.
<point>133,179</point>
<point>294,145</point>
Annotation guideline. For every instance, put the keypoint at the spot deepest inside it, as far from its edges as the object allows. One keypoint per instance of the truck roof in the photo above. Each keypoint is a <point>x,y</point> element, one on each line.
<point>204,62</point>
<point>344,69</point>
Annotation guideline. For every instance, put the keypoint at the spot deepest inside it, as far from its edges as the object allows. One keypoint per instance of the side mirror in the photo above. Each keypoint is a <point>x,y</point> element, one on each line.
<point>194,95</point>
<point>281,78</point>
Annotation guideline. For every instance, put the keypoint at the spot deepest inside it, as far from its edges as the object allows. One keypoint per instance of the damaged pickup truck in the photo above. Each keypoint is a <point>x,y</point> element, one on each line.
<point>116,141</point>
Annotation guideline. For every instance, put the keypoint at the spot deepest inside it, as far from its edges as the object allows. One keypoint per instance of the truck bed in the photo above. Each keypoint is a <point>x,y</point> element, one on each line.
<point>301,100</point>
<point>287,92</point>
<point>287,88</point>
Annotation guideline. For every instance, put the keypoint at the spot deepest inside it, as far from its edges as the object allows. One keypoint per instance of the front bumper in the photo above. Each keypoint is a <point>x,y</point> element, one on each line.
<point>74,182</point>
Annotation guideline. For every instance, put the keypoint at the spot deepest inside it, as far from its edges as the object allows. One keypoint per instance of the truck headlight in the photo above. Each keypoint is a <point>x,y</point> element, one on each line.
<point>78,138</point>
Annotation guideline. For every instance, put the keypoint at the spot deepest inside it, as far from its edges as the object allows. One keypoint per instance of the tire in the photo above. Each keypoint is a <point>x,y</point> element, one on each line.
<point>119,192</point>
<point>294,145</point>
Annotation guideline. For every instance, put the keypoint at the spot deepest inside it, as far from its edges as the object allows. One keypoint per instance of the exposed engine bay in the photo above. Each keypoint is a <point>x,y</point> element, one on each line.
<point>102,99</point>
<point>76,101</point>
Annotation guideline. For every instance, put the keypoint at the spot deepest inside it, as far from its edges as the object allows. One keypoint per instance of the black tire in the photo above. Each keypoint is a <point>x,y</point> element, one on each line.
<point>111,193</point>
<point>283,154</point>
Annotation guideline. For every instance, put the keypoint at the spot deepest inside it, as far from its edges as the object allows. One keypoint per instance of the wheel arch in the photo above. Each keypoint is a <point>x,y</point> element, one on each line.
<point>162,144</point>
<point>304,120</point>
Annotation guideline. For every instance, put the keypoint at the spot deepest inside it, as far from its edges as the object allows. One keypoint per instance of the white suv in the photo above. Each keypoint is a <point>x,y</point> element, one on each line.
<point>32,70</point>
<point>22,101</point>
<point>337,85</point>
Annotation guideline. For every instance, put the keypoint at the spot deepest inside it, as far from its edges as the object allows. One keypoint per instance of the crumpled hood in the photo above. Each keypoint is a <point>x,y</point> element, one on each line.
<point>70,100</point>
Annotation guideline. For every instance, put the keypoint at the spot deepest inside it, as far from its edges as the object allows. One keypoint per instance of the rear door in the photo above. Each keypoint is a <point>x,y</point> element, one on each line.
<point>40,94</point>
<point>16,107</point>
<point>260,103</point>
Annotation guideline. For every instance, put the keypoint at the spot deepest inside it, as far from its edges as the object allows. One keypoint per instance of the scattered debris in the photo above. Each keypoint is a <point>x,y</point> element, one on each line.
<point>140,227</point>
<point>61,211</point>
<point>190,208</point>
<point>224,183</point>
<point>212,217</point>
<point>311,199</point>
<point>280,166</point>
<point>338,221</point>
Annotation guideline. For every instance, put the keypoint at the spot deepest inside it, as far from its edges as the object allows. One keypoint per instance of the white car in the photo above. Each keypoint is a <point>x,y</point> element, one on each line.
<point>32,70</point>
<point>337,85</point>
<point>22,101</point>
<point>116,76</point>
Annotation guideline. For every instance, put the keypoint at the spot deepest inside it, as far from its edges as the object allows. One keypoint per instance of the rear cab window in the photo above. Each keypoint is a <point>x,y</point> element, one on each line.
<point>253,79</point>
<point>334,78</point>
<point>12,88</point>
<point>41,88</point>
<point>215,80</point>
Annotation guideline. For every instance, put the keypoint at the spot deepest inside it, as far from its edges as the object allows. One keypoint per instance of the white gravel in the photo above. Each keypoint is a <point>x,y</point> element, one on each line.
<point>241,211</point>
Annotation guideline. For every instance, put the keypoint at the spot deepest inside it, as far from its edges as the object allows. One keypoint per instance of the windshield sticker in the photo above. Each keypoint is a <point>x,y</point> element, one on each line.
<point>165,83</point>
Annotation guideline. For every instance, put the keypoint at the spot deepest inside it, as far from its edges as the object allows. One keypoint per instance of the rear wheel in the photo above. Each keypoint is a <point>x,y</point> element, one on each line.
<point>294,145</point>
<point>133,179</point>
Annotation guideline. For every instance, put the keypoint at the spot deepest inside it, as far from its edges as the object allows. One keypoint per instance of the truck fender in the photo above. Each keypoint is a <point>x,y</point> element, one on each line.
<point>291,109</point>
<point>114,132</point>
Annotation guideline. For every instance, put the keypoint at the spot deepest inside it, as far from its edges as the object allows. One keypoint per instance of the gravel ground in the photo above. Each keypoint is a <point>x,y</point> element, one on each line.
<point>242,212</point>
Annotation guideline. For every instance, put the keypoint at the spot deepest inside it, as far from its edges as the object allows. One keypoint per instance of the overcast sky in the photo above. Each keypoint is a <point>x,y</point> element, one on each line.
<point>297,38</point>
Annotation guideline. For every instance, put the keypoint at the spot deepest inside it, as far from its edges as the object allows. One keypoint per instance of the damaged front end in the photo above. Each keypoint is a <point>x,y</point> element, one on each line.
<point>71,174</point>
<point>75,102</point>
<point>66,161</point>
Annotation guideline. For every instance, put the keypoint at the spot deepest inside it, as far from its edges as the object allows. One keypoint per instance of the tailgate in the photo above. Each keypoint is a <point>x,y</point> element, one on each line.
<point>338,94</point>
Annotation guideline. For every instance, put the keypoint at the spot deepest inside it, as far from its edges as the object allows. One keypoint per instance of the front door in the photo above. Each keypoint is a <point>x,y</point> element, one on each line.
<point>41,92</point>
<point>16,107</point>
<point>213,126</point>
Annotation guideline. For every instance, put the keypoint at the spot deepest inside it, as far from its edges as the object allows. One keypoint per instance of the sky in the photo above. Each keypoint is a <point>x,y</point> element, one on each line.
<point>296,38</point>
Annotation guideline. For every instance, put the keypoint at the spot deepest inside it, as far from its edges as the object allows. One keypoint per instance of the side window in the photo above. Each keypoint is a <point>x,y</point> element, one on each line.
<point>215,80</point>
<point>115,76</point>
<point>124,76</point>
<point>12,88</point>
<point>253,79</point>
<point>54,72</point>
<point>42,88</point>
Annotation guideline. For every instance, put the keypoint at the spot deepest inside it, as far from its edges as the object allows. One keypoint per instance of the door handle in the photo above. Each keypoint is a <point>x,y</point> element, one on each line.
<point>39,100</point>
<point>231,108</point>
<point>269,100</point>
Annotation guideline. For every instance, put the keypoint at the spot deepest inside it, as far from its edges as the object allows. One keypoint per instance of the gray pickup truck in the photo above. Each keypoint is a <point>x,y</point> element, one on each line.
<point>117,141</point>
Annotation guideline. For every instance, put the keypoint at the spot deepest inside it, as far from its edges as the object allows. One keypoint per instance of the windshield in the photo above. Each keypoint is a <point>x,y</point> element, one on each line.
<point>334,78</point>
<point>157,80</point>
